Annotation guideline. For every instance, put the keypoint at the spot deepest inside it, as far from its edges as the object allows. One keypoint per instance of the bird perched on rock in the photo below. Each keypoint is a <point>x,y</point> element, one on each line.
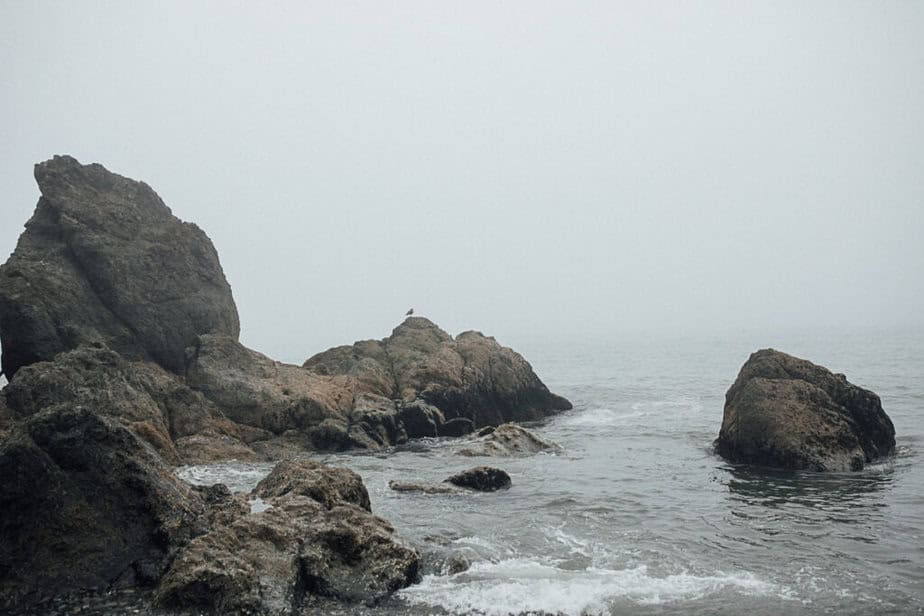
<point>409,312</point>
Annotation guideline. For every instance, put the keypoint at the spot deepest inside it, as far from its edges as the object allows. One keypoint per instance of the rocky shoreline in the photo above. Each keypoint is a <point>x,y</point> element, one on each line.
<point>120,341</point>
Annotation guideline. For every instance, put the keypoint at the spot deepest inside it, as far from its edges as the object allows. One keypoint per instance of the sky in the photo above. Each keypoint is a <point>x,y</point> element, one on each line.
<point>519,168</point>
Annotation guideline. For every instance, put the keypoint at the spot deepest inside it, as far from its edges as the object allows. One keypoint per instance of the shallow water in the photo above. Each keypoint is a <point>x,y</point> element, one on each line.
<point>636,515</point>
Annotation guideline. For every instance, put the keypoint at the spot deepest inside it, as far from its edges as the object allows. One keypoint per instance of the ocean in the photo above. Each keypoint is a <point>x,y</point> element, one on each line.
<point>637,515</point>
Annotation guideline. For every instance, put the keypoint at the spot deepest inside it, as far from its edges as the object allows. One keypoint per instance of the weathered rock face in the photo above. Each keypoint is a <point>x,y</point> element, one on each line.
<point>787,412</point>
<point>482,478</point>
<point>470,377</point>
<point>85,503</point>
<point>104,260</point>
<point>327,485</point>
<point>505,441</point>
<point>313,541</point>
<point>180,424</point>
<point>315,411</point>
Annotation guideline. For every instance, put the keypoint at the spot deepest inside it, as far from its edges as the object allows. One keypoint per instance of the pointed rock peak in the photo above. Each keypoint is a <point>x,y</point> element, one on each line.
<point>70,186</point>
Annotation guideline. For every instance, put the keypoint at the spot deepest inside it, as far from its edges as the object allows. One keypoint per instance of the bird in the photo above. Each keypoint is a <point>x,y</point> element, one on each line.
<point>409,312</point>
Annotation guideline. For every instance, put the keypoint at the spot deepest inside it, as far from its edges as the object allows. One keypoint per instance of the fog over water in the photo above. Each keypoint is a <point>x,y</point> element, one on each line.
<point>513,168</point>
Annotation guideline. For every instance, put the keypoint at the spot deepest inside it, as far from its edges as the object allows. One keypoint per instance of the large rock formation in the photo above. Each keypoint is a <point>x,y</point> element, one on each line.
<point>470,376</point>
<point>179,423</point>
<point>104,260</point>
<point>317,538</point>
<point>418,383</point>
<point>85,503</point>
<point>787,412</point>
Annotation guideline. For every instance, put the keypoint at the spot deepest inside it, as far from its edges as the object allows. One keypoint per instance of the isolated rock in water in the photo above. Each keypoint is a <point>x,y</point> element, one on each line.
<point>86,504</point>
<point>328,485</point>
<point>179,423</point>
<point>271,562</point>
<point>507,440</point>
<point>482,478</point>
<point>470,376</point>
<point>104,260</point>
<point>787,412</point>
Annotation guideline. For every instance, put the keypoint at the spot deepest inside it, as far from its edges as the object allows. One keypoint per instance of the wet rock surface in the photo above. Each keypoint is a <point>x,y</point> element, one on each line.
<point>104,260</point>
<point>482,479</point>
<point>505,441</point>
<point>787,412</point>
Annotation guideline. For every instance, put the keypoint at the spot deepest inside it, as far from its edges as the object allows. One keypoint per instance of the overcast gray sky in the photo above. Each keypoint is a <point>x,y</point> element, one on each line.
<point>510,167</point>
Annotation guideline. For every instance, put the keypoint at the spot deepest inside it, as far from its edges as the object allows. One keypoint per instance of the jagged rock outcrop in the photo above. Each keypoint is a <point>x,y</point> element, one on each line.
<point>316,539</point>
<point>506,441</point>
<point>85,503</point>
<point>104,260</point>
<point>470,376</point>
<point>180,424</point>
<point>787,412</point>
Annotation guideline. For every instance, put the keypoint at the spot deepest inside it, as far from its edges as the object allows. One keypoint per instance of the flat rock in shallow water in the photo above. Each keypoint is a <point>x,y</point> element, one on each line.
<point>505,441</point>
<point>787,412</point>
<point>426,488</point>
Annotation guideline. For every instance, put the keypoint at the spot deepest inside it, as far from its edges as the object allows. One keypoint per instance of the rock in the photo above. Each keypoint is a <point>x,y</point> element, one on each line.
<point>507,440</point>
<point>312,541</point>
<point>6,416</point>
<point>460,426</point>
<point>327,485</point>
<point>104,260</point>
<point>255,390</point>
<point>426,488</point>
<point>179,423</point>
<point>482,478</point>
<point>86,504</point>
<point>470,377</point>
<point>787,412</point>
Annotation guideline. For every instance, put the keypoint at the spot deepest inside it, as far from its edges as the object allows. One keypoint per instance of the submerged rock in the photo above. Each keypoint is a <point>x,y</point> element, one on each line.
<point>787,412</point>
<point>426,488</point>
<point>470,376</point>
<point>86,504</point>
<point>482,478</point>
<point>311,541</point>
<point>505,441</point>
<point>104,260</point>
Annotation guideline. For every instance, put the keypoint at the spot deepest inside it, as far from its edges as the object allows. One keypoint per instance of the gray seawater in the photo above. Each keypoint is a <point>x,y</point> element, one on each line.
<point>637,515</point>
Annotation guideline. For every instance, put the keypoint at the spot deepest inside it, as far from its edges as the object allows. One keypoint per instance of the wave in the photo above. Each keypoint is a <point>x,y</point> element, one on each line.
<point>526,586</point>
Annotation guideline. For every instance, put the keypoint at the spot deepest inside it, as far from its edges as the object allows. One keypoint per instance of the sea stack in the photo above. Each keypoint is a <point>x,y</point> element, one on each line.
<point>787,412</point>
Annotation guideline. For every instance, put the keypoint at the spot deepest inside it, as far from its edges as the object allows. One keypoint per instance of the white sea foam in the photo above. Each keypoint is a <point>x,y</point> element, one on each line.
<point>522,586</point>
<point>258,505</point>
